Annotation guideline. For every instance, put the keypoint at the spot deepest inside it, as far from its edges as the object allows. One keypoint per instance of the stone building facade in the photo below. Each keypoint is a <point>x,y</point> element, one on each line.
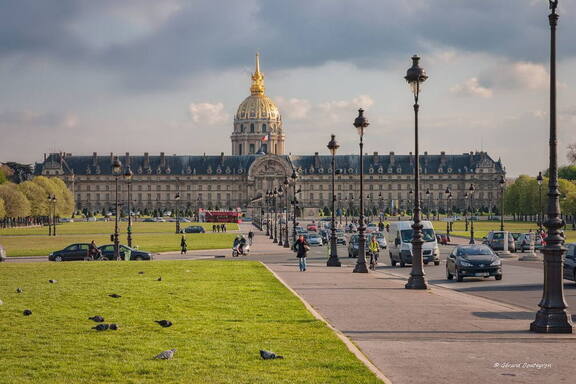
<point>258,164</point>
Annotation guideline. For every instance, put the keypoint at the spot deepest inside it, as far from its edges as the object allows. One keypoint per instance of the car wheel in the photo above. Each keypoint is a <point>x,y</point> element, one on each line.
<point>498,277</point>
<point>138,258</point>
<point>88,258</point>
<point>58,258</point>
<point>459,277</point>
<point>426,263</point>
<point>437,262</point>
<point>449,276</point>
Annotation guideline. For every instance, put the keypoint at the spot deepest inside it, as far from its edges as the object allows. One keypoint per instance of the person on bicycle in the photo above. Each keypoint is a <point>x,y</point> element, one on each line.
<point>373,247</point>
<point>93,250</point>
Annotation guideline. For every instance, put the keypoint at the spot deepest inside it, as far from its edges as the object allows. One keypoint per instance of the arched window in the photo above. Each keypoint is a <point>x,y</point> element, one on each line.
<point>252,128</point>
<point>263,127</point>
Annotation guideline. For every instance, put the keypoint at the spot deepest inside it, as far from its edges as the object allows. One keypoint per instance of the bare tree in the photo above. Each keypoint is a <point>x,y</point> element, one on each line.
<point>572,153</point>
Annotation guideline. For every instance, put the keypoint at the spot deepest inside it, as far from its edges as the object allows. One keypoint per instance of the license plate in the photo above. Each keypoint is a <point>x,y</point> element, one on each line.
<point>481,274</point>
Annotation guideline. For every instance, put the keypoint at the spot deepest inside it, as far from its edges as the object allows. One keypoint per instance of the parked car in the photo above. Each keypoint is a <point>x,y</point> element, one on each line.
<point>125,252</point>
<point>442,239</point>
<point>340,238</point>
<point>570,262</point>
<point>2,254</point>
<point>473,260</point>
<point>78,251</point>
<point>312,227</point>
<point>401,250</point>
<point>523,242</point>
<point>66,220</point>
<point>371,228</point>
<point>149,220</point>
<point>380,239</point>
<point>351,228</point>
<point>495,240</point>
<point>193,229</point>
<point>315,239</point>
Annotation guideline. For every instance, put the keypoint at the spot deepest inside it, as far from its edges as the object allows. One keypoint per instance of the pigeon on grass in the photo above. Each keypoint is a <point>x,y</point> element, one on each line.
<point>52,281</point>
<point>159,279</point>
<point>27,312</point>
<point>267,355</point>
<point>19,290</point>
<point>101,327</point>
<point>166,355</point>
<point>98,319</point>
<point>115,296</point>
<point>140,273</point>
<point>164,323</point>
<point>114,327</point>
<point>1,302</point>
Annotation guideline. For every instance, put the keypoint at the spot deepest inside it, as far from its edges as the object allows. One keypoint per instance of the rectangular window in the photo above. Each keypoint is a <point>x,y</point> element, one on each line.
<point>311,196</point>
<point>97,197</point>
<point>239,149</point>
<point>87,196</point>
<point>149,196</point>
<point>157,197</point>
<point>252,148</point>
<point>187,196</point>
<point>210,196</point>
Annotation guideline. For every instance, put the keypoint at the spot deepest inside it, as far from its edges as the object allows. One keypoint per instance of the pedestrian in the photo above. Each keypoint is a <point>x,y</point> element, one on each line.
<point>250,237</point>
<point>218,228</point>
<point>223,227</point>
<point>302,247</point>
<point>183,246</point>
<point>213,227</point>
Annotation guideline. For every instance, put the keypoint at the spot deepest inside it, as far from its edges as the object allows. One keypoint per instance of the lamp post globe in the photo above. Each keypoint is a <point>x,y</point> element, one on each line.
<point>117,172</point>
<point>333,259</point>
<point>128,177</point>
<point>360,123</point>
<point>471,193</point>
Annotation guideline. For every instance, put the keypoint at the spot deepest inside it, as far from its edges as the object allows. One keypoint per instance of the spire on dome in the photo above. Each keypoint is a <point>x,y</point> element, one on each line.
<point>257,87</point>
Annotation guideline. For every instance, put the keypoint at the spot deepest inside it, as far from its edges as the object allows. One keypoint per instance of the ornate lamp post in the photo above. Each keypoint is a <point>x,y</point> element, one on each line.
<point>333,260</point>
<point>415,76</point>
<point>347,210</point>
<point>502,183</point>
<point>466,209</point>
<point>49,200</point>
<point>471,192</point>
<point>268,201</point>
<point>429,198</point>
<point>540,179</point>
<point>410,195</point>
<point>117,172</point>
<point>177,198</point>
<point>447,193</point>
<point>553,316</point>
<point>51,215</point>
<point>279,219</point>
<point>361,123</point>
<point>128,177</point>
<point>286,193</point>
<point>275,220</point>
<point>293,178</point>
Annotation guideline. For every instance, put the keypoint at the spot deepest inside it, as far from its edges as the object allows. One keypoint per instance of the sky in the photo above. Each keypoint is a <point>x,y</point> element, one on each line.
<point>83,76</point>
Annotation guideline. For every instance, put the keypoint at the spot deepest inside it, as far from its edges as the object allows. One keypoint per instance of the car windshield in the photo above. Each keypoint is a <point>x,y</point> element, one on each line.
<point>354,239</point>
<point>314,236</point>
<point>428,235</point>
<point>498,236</point>
<point>470,251</point>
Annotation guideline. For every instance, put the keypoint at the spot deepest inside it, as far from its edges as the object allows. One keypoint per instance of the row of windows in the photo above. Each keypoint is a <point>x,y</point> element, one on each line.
<point>441,196</point>
<point>156,196</point>
<point>253,128</point>
<point>167,187</point>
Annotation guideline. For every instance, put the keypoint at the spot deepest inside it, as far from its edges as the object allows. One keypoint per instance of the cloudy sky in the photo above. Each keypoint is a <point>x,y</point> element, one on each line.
<point>149,76</point>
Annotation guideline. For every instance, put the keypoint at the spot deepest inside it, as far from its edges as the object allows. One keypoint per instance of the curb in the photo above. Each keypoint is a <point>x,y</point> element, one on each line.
<point>349,344</point>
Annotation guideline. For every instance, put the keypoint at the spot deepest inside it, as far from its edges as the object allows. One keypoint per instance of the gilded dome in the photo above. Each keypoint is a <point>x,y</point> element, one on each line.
<point>257,105</point>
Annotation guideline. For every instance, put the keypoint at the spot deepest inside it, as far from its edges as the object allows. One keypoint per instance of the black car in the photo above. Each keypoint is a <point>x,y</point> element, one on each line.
<point>570,262</point>
<point>194,229</point>
<point>474,260</point>
<point>77,251</point>
<point>108,252</point>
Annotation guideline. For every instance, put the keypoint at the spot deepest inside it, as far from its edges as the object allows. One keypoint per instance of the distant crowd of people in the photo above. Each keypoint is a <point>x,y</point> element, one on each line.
<point>219,228</point>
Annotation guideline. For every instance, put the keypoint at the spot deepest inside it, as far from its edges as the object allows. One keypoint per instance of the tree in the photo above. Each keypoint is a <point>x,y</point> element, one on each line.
<point>15,202</point>
<point>2,209</point>
<point>572,153</point>
<point>36,196</point>
<point>20,172</point>
<point>56,187</point>
<point>3,177</point>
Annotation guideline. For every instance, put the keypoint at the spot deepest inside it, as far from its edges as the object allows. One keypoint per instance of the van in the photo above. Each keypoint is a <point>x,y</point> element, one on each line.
<point>400,244</point>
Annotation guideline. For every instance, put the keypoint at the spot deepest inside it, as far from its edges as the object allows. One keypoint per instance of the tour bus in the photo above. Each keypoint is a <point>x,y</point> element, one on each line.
<point>400,244</point>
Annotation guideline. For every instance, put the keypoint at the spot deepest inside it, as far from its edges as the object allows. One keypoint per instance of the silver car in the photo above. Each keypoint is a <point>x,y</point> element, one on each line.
<point>315,239</point>
<point>2,253</point>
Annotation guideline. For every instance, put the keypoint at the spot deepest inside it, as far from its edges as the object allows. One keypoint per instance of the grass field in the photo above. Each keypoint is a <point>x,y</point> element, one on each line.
<point>223,313</point>
<point>101,227</point>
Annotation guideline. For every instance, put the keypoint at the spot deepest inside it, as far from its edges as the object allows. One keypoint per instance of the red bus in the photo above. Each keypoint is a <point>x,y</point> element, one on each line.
<point>220,216</point>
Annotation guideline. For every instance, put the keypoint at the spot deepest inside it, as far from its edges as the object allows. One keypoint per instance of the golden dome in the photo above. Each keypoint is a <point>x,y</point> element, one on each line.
<point>257,105</point>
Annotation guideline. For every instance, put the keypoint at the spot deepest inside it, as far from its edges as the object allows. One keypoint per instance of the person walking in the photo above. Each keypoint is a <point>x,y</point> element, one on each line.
<point>302,247</point>
<point>223,227</point>
<point>250,237</point>
<point>183,246</point>
<point>213,227</point>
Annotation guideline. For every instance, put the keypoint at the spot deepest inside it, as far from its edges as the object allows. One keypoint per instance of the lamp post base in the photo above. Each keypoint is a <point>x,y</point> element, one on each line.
<point>360,268</point>
<point>416,282</point>
<point>552,321</point>
<point>333,261</point>
<point>472,241</point>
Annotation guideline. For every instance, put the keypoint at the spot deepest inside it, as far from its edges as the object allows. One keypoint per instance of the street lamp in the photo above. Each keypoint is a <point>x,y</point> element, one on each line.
<point>410,195</point>
<point>51,215</point>
<point>361,123</point>
<point>447,193</point>
<point>502,183</point>
<point>540,179</point>
<point>294,177</point>
<point>333,260</point>
<point>117,172</point>
<point>286,185</point>
<point>279,222</point>
<point>429,198</point>
<point>268,201</point>
<point>466,209</point>
<point>415,76</point>
<point>471,191</point>
<point>552,317</point>
<point>177,198</point>
<point>275,220</point>
<point>128,177</point>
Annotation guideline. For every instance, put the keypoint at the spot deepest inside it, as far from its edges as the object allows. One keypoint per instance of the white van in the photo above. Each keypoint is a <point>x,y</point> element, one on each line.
<point>400,244</point>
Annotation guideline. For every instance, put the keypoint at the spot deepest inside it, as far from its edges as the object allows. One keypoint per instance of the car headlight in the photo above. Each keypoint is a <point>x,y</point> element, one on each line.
<point>465,264</point>
<point>496,262</point>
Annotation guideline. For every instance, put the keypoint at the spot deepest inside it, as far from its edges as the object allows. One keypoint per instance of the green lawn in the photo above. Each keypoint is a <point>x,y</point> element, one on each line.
<point>152,242</point>
<point>101,227</point>
<point>223,313</point>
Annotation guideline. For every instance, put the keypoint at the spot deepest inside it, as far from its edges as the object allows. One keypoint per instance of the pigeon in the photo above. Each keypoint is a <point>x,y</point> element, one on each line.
<point>19,290</point>
<point>140,273</point>
<point>114,327</point>
<point>114,295</point>
<point>267,355</point>
<point>27,312</point>
<point>166,355</point>
<point>164,323</point>
<point>98,319</point>
<point>1,302</point>
<point>159,279</point>
<point>101,327</point>
<point>51,281</point>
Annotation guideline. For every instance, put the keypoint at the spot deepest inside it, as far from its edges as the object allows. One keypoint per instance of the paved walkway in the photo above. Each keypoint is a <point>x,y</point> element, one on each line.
<point>432,336</point>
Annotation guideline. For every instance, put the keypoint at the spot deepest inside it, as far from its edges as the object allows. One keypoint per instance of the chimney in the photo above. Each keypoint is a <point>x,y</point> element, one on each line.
<point>411,159</point>
<point>375,158</point>
<point>94,159</point>
<point>442,158</point>
<point>316,160</point>
<point>127,159</point>
<point>162,160</point>
<point>146,160</point>
<point>392,159</point>
<point>44,157</point>
<point>221,157</point>
<point>111,157</point>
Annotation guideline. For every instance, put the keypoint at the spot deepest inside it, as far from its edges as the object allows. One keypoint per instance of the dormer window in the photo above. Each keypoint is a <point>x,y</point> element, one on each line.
<point>252,128</point>
<point>263,127</point>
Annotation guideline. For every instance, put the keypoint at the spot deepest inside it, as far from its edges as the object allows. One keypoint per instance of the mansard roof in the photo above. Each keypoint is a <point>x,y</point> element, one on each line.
<point>304,164</point>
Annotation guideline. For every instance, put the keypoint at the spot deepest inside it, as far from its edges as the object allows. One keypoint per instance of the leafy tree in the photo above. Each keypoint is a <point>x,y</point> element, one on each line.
<point>36,196</point>
<point>65,205</point>
<point>20,172</point>
<point>3,177</point>
<point>15,202</point>
<point>572,153</point>
<point>2,209</point>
